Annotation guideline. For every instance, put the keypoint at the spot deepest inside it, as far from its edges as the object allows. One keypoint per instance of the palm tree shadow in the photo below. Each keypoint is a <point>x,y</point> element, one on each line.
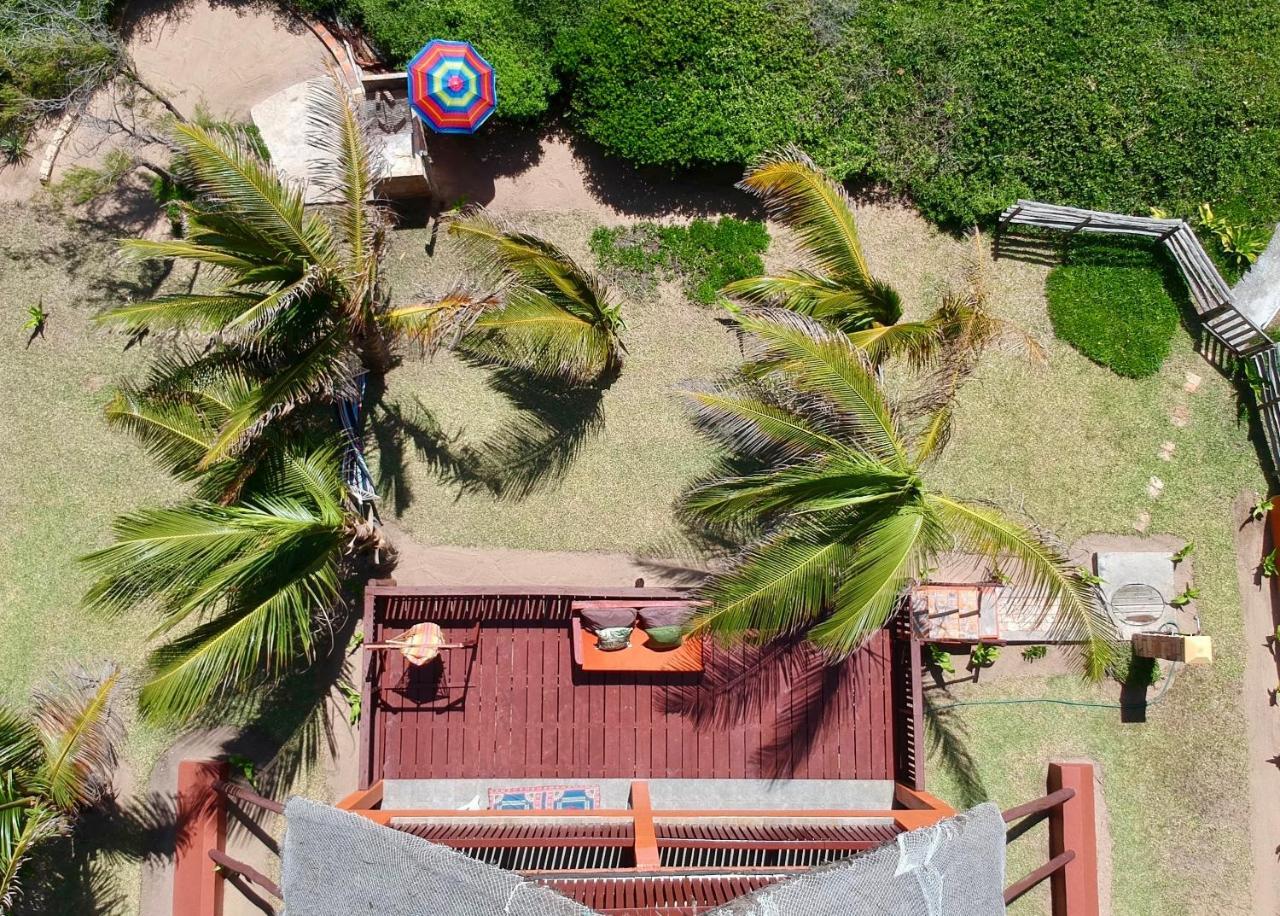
<point>537,447</point>
<point>947,736</point>
<point>396,426</point>
<point>787,688</point>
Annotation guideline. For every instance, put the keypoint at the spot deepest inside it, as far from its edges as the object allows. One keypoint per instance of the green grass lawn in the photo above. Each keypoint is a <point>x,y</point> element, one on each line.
<point>66,474</point>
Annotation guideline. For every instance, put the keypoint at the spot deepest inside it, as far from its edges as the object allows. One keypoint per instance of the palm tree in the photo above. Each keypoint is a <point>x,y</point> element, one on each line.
<point>546,316</point>
<point>829,484</point>
<point>243,589</point>
<point>834,284</point>
<point>247,576</point>
<point>297,304</point>
<point>54,761</point>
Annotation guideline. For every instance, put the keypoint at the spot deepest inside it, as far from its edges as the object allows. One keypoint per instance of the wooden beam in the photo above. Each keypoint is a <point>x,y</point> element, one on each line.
<point>646,837</point>
<point>363,800</point>
<point>1174,647</point>
<point>202,830</point>
<point>1074,887</point>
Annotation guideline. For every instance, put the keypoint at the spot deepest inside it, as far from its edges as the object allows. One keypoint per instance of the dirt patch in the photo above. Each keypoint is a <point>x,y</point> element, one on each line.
<point>1261,673</point>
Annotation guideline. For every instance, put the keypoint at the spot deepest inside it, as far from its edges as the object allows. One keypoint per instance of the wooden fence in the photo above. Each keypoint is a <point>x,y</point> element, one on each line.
<point>1240,336</point>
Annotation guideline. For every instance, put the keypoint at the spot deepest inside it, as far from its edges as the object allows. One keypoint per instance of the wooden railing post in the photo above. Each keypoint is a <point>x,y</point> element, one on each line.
<point>202,828</point>
<point>1074,887</point>
<point>646,837</point>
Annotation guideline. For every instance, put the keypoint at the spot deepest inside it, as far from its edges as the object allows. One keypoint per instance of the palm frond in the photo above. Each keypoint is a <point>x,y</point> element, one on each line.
<point>197,311</point>
<point>80,735</point>
<point>439,323</point>
<point>781,585</point>
<point>886,557</point>
<point>23,826</point>
<point>322,371</point>
<point>230,176</point>
<point>533,333</point>
<point>915,342</point>
<point>834,484</point>
<point>742,418</point>
<point>20,747</point>
<point>800,195</point>
<point>821,363</point>
<point>1040,568</point>
<point>556,318</point>
<point>349,171</point>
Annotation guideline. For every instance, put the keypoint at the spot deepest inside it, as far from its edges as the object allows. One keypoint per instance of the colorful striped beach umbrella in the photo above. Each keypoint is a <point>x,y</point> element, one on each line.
<point>451,87</point>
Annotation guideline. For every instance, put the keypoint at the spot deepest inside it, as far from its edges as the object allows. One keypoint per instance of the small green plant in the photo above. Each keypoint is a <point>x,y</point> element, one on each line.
<point>1089,578</point>
<point>1187,550</point>
<point>996,574</point>
<point>245,767</point>
<point>36,318</point>
<point>1240,244</point>
<point>1188,595</point>
<point>13,147</point>
<point>1034,653</point>
<point>1260,510</point>
<point>705,255</point>
<point>1268,567</point>
<point>354,702</point>
<point>983,655</point>
<point>940,658</point>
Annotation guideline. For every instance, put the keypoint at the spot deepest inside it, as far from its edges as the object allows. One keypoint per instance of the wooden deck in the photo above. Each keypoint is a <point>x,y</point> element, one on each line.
<point>518,707</point>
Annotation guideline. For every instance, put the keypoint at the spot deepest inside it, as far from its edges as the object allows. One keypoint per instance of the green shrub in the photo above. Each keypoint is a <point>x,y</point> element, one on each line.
<point>1133,670</point>
<point>706,255</point>
<point>678,82</point>
<point>1117,105</point>
<point>507,33</point>
<point>1112,302</point>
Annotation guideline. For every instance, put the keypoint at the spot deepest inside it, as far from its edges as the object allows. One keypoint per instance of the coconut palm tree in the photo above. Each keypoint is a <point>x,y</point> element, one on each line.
<point>833,284</point>
<point>296,306</point>
<point>545,315</point>
<point>54,760</point>
<point>829,482</point>
<point>247,575</point>
<point>243,589</point>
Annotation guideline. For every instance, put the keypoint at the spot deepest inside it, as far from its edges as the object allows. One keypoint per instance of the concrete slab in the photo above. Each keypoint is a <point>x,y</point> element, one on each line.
<point>1258,292</point>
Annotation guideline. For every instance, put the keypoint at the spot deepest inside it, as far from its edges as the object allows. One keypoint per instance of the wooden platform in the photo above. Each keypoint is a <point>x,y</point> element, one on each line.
<point>519,706</point>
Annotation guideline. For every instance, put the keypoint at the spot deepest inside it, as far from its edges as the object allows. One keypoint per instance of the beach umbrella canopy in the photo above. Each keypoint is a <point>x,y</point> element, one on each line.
<point>451,87</point>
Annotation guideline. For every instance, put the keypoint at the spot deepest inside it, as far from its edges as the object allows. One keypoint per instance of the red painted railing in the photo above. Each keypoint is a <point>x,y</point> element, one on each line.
<point>1068,806</point>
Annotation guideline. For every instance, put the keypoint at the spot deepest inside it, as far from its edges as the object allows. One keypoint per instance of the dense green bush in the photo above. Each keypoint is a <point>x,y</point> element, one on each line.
<point>706,255</point>
<point>1113,303</point>
<point>966,104</point>
<point>696,81</point>
<point>508,33</point>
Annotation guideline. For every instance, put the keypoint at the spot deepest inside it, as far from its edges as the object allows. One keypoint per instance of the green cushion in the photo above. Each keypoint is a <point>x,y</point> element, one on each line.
<point>611,639</point>
<point>665,637</point>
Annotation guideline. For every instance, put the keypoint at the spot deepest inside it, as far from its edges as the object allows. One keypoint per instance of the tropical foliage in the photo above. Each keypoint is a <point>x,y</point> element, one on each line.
<point>54,761</point>
<point>827,483</point>
<point>247,576</point>
<point>834,284</point>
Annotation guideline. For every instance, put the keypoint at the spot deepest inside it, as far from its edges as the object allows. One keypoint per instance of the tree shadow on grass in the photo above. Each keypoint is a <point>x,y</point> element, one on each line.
<point>948,743</point>
<point>535,449</point>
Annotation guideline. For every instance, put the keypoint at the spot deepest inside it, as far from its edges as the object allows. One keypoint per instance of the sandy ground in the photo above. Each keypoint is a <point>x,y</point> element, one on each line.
<point>1261,674</point>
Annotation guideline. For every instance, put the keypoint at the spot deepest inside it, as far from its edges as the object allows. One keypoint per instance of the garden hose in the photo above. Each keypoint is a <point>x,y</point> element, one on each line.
<point>1164,688</point>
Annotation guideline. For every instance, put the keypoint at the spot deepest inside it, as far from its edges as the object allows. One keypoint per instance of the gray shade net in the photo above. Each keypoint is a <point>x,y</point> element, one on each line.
<point>341,864</point>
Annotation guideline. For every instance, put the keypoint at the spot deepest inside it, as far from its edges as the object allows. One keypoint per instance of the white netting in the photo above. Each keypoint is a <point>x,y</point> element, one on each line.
<point>340,864</point>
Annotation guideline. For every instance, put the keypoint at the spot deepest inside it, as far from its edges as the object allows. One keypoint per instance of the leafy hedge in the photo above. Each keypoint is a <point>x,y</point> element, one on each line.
<point>510,34</point>
<point>695,81</point>
<point>965,104</point>
<point>1112,302</point>
<point>706,255</point>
